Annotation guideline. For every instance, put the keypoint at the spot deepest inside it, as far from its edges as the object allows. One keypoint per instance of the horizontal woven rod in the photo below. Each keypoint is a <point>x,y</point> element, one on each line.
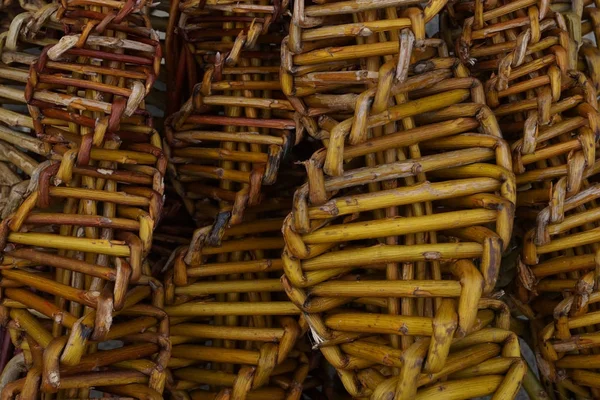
<point>380,323</point>
<point>85,84</point>
<point>497,365</point>
<point>216,354</point>
<point>408,288</point>
<point>203,309</point>
<point>513,6</point>
<point>205,376</point>
<point>470,388</point>
<point>92,70</point>
<point>586,378</point>
<point>84,381</point>
<point>393,253</point>
<point>411,136</point>
<point>221,154</point>
<point>591,318</point>
<point>574,221</point>
<point>99,246</point>
<point>239,7</point>
<point>227,332</point>
<point>239,267</point>
<point>581,341</point>
<point>491,30</point>
<point>40,305</point>
<point>564,264</point>
<point>242,121</point>
<point>352,6</point>
<point>240,286</point>
<point>123,156</point>
<point>551,151</point>
<point>77,103</point>
<point>241,101</point>
<point>99,195</point>
<point>573,240</point>
<point>23,140</point>
<point>246,245</point>
<point>52,287</point>
<point>403,169</point>
<point>542,174</point>
<point>83,220</point>
<point>72,264</point>
<point>202,171</point>
<point>505,47</point>
<point>400,226</point>
<point>246,85</point>
<point>556,285</point>
<point>587,361</point>
<point>239,137</point>
<point>131,327</point>
<point>366,28</point>
<point>520,87</point>
<point>91,362</point>
<point>250,70</point>
<point>562,127</point>
<point>425,191</point>
<point>330,54</point>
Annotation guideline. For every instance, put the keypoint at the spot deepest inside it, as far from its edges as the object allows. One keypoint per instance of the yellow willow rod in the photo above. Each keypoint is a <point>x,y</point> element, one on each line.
<point>393,253</point>
<point>400,226</point>
<point>213,308</point>
<point>99,246</point>
<point>241,286</point>
<point>366,288</point>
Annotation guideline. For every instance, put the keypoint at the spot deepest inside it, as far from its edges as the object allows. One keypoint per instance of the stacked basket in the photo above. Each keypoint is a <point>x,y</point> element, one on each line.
<point>535,61</point>
<point>234,331</point>
<point>344,194</point>
<point>75,275</point>
<point>414,183</point>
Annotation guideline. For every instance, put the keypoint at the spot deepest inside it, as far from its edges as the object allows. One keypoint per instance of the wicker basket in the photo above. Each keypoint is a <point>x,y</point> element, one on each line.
<point>225,145</point>
<point>220,35</point>
<point>568,347</point>
<point>230,137</point>
<point>545,107</point>
<point>233,327</point>
<point>21,152</point>
<point>372,250</point>
<point>334,50</point>
<point>559,254</point>
<point>74,270</point>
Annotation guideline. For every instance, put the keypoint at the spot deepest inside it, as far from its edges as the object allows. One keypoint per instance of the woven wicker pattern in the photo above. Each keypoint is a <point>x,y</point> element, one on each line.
<point>537,96</point>
<point>74,249</point>
<point>22,153</point>
<point>233,326</point>
<point>207,34</point>
<point>366,199</point>
<point>226,145</point>
<point>541,83</point>
<point>568,347</point>
<point>370,250</point>
<point>334,50</point>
